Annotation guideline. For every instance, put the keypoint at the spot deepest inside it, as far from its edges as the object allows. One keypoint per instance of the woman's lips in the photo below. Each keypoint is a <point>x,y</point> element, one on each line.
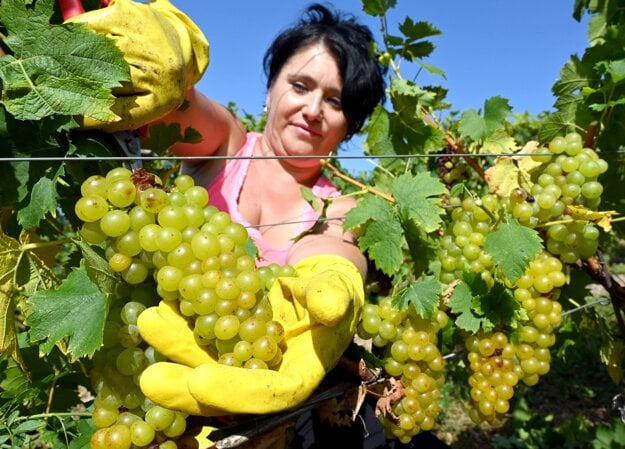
<point>307,130</point>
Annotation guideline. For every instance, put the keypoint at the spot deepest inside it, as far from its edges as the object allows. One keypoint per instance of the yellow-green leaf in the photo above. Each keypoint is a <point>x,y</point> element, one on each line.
<point>9,256</point>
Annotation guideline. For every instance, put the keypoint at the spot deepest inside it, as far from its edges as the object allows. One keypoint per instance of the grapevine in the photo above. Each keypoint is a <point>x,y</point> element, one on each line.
<point>563,182</point>
<point>484,239</point>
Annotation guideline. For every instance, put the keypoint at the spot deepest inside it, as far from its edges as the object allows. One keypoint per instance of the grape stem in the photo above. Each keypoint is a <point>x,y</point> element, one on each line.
<point>38,245</point>
<point>52,415</point>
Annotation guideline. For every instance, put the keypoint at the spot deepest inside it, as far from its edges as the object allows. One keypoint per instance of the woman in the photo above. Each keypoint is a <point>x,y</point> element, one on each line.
<point>322,83</point>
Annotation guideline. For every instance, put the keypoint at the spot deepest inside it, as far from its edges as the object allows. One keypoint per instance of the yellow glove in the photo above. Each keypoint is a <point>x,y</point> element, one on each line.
<point>319,309</point>
<point>167,54</point>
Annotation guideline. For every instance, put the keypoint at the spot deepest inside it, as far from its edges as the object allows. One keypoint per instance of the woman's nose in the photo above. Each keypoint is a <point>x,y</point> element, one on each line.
<point>313,107</point>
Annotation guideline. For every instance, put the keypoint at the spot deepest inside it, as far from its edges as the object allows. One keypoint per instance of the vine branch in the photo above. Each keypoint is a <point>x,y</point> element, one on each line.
<point>454,145</point>
<point>597,270</point>
<point>336,172</point>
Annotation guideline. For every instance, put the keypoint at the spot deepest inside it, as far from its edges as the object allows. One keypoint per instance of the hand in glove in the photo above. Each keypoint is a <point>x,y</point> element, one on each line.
<point>167,54</point>
<point>319,309</point>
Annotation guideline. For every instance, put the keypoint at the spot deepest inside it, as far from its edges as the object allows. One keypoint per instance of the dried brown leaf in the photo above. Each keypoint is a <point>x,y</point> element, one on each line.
<point>449,291</point>
<point>393,393</point>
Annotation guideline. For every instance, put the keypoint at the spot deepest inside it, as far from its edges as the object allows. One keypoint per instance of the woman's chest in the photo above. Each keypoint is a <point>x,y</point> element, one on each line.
<point>278,215</point>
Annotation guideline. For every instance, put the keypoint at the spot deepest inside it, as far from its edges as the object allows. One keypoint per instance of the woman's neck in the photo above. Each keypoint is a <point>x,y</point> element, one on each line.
<point>300,171</point>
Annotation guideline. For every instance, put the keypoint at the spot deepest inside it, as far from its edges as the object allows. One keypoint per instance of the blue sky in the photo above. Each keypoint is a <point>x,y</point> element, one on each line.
<point>510,48</point>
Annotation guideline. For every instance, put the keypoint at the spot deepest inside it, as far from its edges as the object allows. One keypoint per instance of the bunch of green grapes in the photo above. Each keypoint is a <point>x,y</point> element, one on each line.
<point>462,247</point>
<point>498,363</point>
<point>197,256</point>
<point>124,417</point>
<point>567,176</point>
<point>564,185</point>
<point>538,291</point>
<point>495,372</point>
<point>220,289</point>
<point>408,345</point>
<point>170,245</point>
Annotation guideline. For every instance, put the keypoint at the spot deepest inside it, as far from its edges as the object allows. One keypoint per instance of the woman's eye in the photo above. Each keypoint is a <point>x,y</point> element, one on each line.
<point>335,102</point>
<point>299,87</point>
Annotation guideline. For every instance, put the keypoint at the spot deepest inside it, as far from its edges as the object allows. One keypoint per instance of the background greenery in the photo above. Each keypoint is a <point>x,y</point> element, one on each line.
<point>47,272</point>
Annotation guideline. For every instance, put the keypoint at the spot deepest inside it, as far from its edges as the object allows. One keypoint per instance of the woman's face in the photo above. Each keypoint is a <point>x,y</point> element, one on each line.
<point>304,113</point>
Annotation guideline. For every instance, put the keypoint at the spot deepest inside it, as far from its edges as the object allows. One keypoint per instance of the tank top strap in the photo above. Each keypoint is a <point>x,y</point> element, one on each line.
<point>225,188</point>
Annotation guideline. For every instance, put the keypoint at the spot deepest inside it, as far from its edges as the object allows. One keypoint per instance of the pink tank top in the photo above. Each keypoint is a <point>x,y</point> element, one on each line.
<point>225,188</point>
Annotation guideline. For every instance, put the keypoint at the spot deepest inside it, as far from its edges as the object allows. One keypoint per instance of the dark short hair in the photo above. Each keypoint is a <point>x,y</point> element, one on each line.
<point>349,41</point>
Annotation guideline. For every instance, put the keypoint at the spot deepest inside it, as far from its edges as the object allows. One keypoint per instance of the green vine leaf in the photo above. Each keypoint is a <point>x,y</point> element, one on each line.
<point>54,69</point>
<point>98,268</point>
<point>377,7</point>
<point>43,200</point>
<point>498,306</point>
<point>461,304</point>
<point>480,307</point>
<point>413,47</point>
<point>478,127</point>
<point>76,310</point>
<point>162,136</point>
<point>423,295</point>
<point>513,247</point>
<point>378,131</point>
<point>9,257</point>
<point>21,273</point>
<point>383,235</point>
<point>418,199</point>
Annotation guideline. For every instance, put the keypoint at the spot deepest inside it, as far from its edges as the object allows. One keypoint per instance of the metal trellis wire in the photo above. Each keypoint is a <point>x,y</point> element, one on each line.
<point>213,158</point>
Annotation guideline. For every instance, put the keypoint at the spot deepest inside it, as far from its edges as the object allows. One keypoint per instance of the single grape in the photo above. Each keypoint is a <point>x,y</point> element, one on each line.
<point>104,417</point>
<point>264,348</point>
<point>115,223</point>
<point>184,182</point>
<point>90,208</point>
<point>160,418</point>
<point>121,193</point>
<point>226,327</point>
<point>94,185</point>
<point>197,195</point>
<point>141,433</point>
<point>153,200</point>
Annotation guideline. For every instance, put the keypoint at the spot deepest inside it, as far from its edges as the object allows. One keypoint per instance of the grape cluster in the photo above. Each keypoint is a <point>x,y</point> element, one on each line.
<point>195,253</point>
<point>408,345</point>
<point>170,245</point>
<point>498,363</point>
<point>495,362</point>
<point>567,176</point>
<point>452,170</point>
<point>471,221</point>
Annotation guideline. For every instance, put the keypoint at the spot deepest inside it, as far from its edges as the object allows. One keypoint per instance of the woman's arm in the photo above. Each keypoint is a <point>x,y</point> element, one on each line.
<point>331,239</point>
<point>221,131</point>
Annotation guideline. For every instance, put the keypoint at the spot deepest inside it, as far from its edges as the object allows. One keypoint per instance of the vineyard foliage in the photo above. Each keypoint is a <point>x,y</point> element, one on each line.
<point>457,220</point>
